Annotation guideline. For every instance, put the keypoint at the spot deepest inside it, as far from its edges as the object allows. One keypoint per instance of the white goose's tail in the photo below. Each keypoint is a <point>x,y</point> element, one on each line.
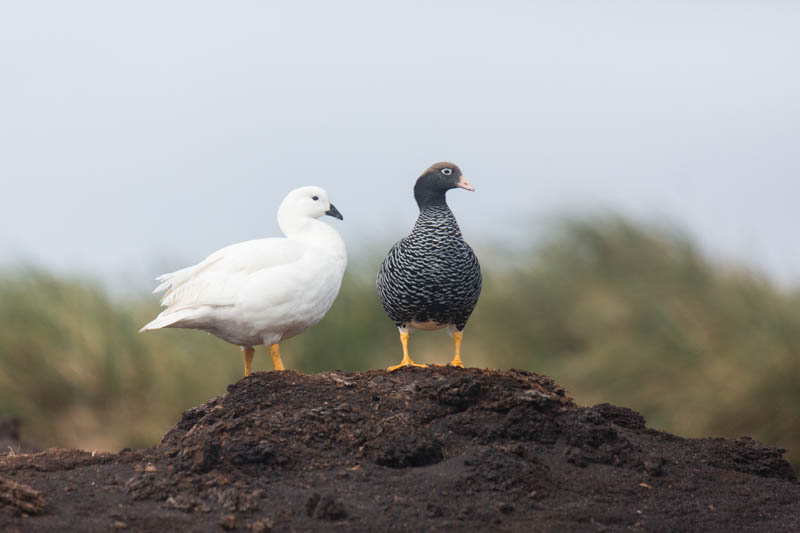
<point>174,317</point>
<point>169,317</point>
<point>173,279</point>
<point>183,296</point>
<point>161,321</point>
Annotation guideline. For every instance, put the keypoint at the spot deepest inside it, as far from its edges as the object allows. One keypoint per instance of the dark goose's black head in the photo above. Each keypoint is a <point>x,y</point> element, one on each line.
<point>436,181</point>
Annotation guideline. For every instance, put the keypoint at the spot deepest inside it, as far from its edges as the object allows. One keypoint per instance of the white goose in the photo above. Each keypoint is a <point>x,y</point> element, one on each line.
<point>266,290</point>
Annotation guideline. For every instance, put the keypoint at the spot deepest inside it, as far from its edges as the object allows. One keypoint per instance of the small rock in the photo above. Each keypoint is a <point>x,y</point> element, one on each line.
<point>325,507</point>
<point>227,522</point>
<point>311,503</point>
<point>186,503</point>
<point>434,511</point>
<point>228,498</point>
<point>506,508</point>
<point>654,466</point>
<point>261,526</point>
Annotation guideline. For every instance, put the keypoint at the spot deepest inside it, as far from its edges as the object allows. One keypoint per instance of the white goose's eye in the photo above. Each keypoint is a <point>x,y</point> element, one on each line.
<point>447,171</point>
<point>315,198</point>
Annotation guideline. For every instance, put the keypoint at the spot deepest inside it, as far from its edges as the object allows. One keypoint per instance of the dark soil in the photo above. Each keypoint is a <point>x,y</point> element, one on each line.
<point>416,450</point>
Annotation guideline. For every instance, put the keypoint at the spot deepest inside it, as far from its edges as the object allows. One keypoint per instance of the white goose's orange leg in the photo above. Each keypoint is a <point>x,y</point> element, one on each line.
<point>248,352</point>
<point>275,352</point>
<point>457,336</point>
<point>404,335</point>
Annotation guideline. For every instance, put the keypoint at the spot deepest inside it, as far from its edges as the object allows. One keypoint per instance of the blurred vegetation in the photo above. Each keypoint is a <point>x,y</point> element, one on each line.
<point>616,312</point>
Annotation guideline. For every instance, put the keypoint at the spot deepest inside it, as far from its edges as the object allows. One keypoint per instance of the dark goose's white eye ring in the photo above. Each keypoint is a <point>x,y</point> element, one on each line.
<point>315,198</point>
<point>447,171</point>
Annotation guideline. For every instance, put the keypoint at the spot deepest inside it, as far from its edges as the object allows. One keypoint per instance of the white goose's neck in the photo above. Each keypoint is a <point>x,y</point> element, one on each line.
<point>314,233</point>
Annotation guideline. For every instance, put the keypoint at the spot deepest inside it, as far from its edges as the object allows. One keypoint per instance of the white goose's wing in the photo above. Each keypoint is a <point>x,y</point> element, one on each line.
<point>216,280</point>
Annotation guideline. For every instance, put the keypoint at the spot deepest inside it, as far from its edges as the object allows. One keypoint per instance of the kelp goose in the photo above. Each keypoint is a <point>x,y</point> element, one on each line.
<point>431,279</point>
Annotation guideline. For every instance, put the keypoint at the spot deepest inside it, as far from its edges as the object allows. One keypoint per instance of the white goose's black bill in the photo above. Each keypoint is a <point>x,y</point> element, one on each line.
<point>333,212</point>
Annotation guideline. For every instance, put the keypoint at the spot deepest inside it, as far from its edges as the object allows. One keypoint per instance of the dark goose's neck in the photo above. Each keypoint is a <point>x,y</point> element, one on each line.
<point>436,221</point>
<point>427,195</point>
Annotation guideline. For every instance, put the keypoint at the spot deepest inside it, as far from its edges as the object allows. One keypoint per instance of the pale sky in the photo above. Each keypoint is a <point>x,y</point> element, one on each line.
<point>138,136</point>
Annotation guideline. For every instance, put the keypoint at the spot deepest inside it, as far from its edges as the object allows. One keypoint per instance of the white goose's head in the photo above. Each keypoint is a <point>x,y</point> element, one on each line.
<point>302,205</point>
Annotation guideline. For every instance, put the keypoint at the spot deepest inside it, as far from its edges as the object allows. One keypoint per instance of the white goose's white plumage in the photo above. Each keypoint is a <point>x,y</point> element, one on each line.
<point>266,290</point>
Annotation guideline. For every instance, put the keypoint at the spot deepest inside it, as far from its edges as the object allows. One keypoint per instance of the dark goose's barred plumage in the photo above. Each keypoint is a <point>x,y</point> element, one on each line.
<point>431,278</point>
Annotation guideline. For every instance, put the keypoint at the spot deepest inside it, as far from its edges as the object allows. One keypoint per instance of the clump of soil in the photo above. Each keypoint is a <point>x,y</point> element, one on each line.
<point>418,449</point>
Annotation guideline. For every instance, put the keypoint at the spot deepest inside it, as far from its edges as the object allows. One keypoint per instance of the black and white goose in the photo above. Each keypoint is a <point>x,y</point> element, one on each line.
<point>431,279</point>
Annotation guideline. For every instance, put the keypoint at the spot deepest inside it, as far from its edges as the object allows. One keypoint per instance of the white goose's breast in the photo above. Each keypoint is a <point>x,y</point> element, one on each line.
<point>292,299</point>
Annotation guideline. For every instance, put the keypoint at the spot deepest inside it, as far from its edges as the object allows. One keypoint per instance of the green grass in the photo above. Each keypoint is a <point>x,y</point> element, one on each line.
<point>616,312</point>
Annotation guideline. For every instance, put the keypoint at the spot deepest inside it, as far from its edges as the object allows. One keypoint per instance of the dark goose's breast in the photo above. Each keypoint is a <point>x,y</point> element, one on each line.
<point>432,277</point>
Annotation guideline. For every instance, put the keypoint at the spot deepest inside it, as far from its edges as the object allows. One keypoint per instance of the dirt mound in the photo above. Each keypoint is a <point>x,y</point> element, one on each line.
<point>419,449</point>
